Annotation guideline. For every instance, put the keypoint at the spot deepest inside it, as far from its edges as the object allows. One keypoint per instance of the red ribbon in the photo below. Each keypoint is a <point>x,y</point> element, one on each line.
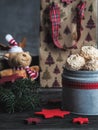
<point>55,20</point>
<point>79,85</point>
<point>80,16</point>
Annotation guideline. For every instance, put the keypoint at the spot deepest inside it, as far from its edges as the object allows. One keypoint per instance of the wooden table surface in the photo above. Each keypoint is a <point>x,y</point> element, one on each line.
<point>16,121</point>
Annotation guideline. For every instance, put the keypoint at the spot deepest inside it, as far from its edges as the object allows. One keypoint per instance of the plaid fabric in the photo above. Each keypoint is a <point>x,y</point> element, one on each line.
<point>80,9</point>
<point>55,20</point>
<point>80,15</point>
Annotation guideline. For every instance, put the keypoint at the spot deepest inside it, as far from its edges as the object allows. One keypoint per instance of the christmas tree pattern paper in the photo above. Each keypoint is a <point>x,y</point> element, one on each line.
<point>73,29</point>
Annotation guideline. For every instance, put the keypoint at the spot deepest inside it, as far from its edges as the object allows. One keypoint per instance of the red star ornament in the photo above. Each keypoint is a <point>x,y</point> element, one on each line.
<point>80,120</point>
<point>31,120</point>
<point>50,113</point>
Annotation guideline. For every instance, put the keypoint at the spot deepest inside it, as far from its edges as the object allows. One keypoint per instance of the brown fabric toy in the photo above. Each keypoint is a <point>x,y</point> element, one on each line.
<point>19,61</point>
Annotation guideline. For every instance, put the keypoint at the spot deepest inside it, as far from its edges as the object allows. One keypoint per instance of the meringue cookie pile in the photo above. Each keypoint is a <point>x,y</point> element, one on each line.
<point>87,59</point>
<point>75,62</point>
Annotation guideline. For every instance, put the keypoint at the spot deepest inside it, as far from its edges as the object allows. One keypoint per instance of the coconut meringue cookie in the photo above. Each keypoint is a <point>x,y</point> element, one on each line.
<point>89,52</point>
<point>86,60</point>
<point>75,62</point>
<point>91,65</point>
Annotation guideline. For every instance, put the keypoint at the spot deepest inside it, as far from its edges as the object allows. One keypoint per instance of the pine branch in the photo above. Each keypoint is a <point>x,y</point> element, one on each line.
<point>20,95</point>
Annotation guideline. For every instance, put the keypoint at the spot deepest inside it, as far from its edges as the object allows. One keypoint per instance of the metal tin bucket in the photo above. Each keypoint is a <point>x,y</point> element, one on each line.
<point>80,92</point>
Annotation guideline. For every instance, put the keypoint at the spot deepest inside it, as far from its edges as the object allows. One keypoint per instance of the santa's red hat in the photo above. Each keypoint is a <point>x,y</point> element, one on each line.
<point>13,44</point>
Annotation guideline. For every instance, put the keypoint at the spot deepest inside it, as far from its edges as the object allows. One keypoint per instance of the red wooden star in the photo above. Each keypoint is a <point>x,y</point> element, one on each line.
<point>31,120</point>
<point>50,113</point>
<point>80,120</point>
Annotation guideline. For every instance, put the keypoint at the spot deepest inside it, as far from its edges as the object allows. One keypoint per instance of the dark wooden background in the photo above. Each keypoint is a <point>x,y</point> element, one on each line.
<point>21,18</point>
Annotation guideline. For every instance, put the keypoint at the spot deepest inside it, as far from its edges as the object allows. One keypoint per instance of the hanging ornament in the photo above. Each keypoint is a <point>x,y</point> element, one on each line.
<point>55,21</point>
<point>90,23</point>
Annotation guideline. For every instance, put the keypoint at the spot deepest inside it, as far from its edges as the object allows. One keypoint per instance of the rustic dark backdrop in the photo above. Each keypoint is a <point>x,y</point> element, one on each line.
<point>21,18</point>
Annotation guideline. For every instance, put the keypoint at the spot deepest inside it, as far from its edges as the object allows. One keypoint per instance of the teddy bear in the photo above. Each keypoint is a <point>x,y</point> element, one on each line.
<point>19,61</point>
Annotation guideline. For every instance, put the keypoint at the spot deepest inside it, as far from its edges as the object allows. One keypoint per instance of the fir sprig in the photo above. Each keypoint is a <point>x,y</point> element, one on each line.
<point>7,100</point>
<point>22,95</point>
